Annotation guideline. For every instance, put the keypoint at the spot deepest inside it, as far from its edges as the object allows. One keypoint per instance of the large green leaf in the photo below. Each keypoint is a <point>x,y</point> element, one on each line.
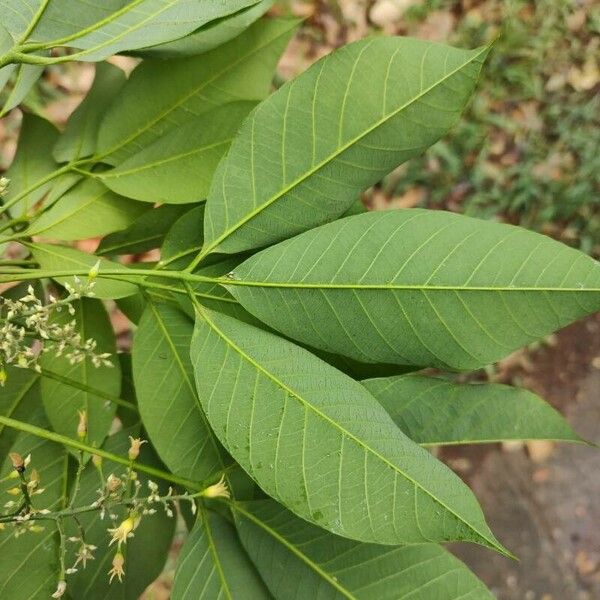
<point>162,94</point>
<point>89,209</point>
<point>299,560</point>
<point>103,28</point>
<point>213,564</point>
<point>62,402</point>
<point>419,287</point>
<point>60,258</point>
<point>317,441</point>
<point>435,411</point>
<point>178,167</point>
<point>32,163</point>
<point>29,563</point>
<point>166,394</point>
<point>210,35</point>
<point>78,140</point>
<point>145,233</point>
<point>307,151</point>
<point>145,553</point>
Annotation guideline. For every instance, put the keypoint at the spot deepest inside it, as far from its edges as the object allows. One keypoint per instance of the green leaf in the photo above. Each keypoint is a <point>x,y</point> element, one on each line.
<point>29,563</point>
<point>299,560</point>
<point>183,240</point>
<point>177,168</point>
<point>23,78</point>
<point>20,392</point>
<point>307,151</point>
<point>33,161</point>
<point>213,564</point>
<point>145,233</point>
<point>166,394</point>
<point>418,287</point>
<point>318,442</point>
<point>435,411</point>
<point>209,36</point>
<point>145,553</point>
<point>89,209</point>
<point>100,30</point>
<point>60,258</point>
<point>78,140</point>
<point>162,94</point>
<point>62,402</point>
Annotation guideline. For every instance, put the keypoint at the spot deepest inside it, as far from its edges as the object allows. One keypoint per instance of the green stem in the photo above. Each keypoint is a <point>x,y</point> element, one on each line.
<point>51,436</point>
<point>85,388</point>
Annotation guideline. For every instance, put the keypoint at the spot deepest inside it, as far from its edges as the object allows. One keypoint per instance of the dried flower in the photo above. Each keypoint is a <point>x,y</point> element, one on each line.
<point>117,567</point>
<point>113,483</point>
<point>218,490</point>
<point>17,461</point>
<point>82,425</point>
<point>134,448</point>
<point>61,588</point>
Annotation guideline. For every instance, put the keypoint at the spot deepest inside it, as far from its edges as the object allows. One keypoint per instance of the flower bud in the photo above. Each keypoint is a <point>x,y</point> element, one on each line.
<point>82,425</point>
<point>17,461</point>
<point>134,448</point>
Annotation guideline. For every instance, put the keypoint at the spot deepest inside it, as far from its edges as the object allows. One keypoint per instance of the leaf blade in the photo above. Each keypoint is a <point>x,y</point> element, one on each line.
<point>320,157</point>
<point>304,408</point>
<point>419,287</point>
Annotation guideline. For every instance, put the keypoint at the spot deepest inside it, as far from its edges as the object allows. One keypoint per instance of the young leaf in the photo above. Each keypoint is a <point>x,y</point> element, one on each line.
<point>435,411</point>
<point>309,149</point>
<point>177,168</point>
<point>78,140</point>
<point>210,35</point>
<point>419,287</point>
<point>145,233</point>
<point>297,559</point>
<point>29,563</point>
<point>89,209</point>
<point>318,442</point>
<point>62,402</point>
<point>213,564</point>
<point>161,94</point>
<point>33,161</point>
<point>60,258</point>
<point>166,394</point>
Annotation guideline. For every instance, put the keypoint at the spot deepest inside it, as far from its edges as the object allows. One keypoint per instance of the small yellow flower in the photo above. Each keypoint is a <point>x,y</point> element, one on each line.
<point>117,567</point>
<point>124,530</point>
<point>218,490</point>
<point>14,491</point>
<point>3,377</point>
<point>134,448</point>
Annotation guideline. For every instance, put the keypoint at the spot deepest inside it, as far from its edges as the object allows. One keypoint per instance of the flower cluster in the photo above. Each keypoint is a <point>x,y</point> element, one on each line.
<point>28,327</point>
